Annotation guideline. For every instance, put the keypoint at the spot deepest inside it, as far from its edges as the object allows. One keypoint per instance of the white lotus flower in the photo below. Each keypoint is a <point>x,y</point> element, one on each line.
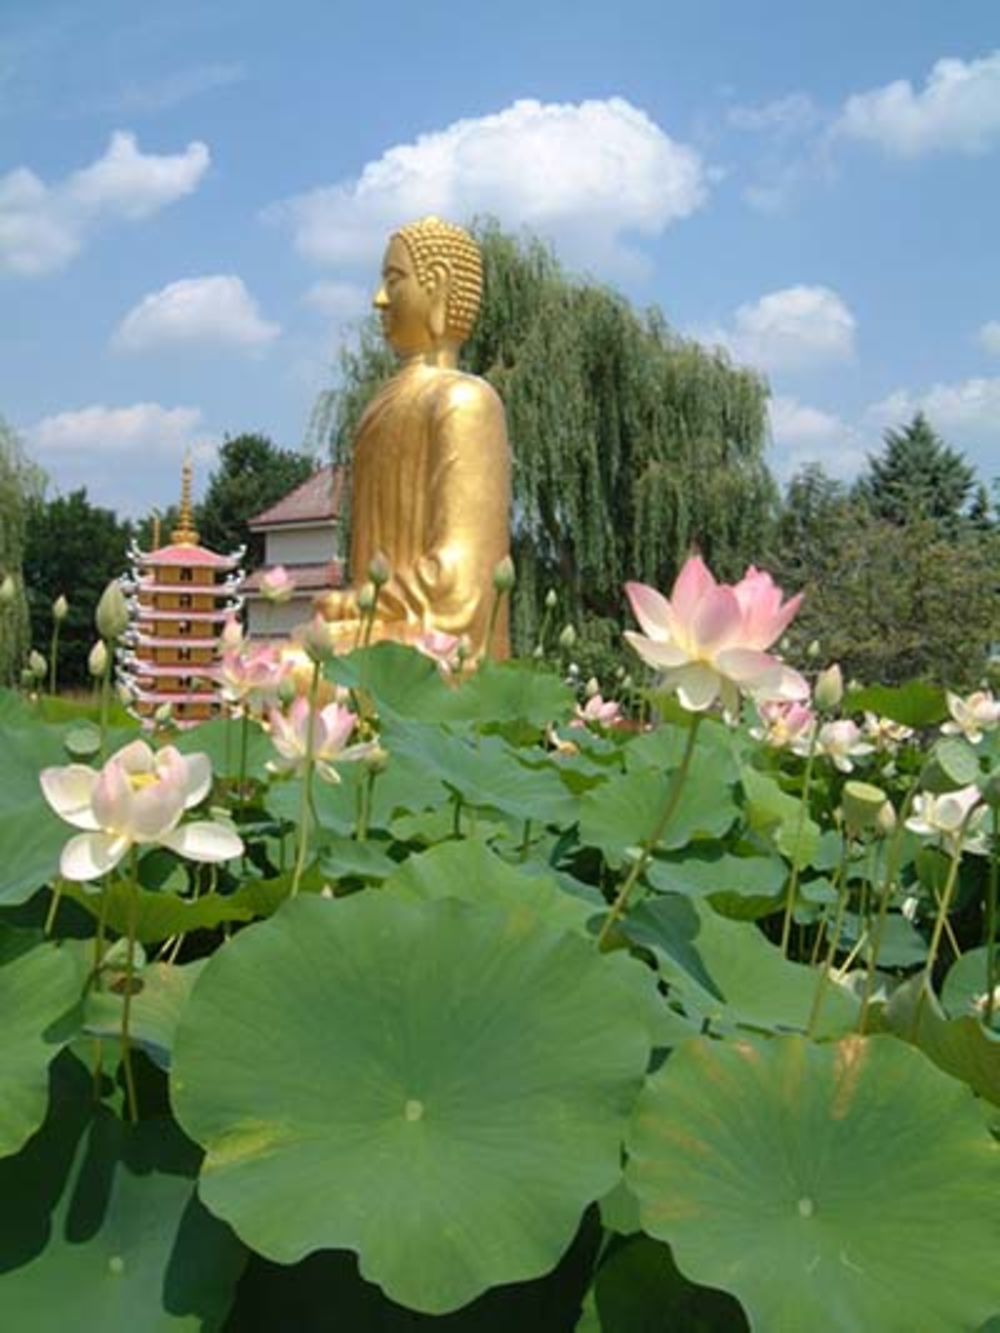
<point>331,729</point>
<point>972,716</point>
<point>137,799</point>
<point>945,816</point>
<point>842,742</point>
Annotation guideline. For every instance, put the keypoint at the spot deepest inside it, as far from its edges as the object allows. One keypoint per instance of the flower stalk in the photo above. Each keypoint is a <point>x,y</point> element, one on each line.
<point>305,805</point>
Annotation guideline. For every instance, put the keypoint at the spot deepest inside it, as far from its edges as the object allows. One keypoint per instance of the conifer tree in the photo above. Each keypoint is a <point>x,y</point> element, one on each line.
<point>631,444</point>
<point>917,476</point>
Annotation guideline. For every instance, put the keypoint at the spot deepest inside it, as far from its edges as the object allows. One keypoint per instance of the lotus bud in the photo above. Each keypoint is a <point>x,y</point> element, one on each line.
<point>60,609</point>
<point>112,612</point>
<point>8,590</point>
<point>862,804</point>
<point>97,659</point>
<point>379,570</point>
<point>232,635</point>
<point>504,576</point>
<point>318,639</point>
<point>37,664</point>
<point>592,687</point>
<point>567,638</point>
<point>829,689</point>
<point>163,714</point>
<point>277,585</point>
<point>885,822</point>
<point>376,760</point>
<point>125,696</point>
<point>813,651</point>
<point>367,597</point>
<point>551,600</point>
<point>27,678</point>
<point>627,682</point>
<point>573,670</point>
<point>620,673</point>
<point>287,690</point>
<point>538,652</point>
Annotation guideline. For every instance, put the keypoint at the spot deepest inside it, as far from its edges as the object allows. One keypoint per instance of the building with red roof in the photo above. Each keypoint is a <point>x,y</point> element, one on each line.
<point>301,533</point>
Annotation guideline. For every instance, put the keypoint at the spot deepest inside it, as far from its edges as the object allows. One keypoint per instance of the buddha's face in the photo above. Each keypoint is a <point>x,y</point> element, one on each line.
<point>405,306</point>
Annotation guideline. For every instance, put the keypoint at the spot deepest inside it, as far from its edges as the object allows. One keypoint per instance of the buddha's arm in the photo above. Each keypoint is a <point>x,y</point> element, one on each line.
<point>468,508</point>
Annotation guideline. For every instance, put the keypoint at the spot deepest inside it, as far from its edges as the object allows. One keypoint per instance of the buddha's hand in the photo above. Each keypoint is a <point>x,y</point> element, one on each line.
<point>340,605</point>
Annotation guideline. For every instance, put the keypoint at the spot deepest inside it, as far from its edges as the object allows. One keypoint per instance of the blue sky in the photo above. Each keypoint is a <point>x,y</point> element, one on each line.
<point>194,199</point>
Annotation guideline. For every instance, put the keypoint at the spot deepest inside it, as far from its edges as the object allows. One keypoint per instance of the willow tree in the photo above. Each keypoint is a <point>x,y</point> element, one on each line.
<point>631,444</point>
<point>17,480</point>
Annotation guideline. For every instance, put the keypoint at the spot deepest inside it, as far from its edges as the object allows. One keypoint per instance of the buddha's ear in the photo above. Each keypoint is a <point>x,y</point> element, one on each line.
<point>439,285</point>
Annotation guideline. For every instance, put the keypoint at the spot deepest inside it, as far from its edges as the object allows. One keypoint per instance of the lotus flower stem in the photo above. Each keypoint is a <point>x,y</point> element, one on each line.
<point>106,699</point>
<point>305,807</point>
<point>642,860</point>
<point>365,806</point>
<point>53,657</point>
<point>991,921</point>
<point>944,907</point>
<point>891,871</point>
<point>131,927</point>
<point>793,878</point>
<point>843,893</point>
<point>50,919</point>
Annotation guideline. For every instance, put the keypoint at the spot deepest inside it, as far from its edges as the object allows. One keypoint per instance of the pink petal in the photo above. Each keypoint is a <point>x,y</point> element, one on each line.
<point>751,669</point>
<point>717,620</point>
<point>693,582</point>
<point>204,840</point>
<point>69,790</point>
<point>112,798</point>
<point>338,723</point>
<point>91,855</point>
<point>651,609</point>
<point>135,757</point>
<point>655,652</point>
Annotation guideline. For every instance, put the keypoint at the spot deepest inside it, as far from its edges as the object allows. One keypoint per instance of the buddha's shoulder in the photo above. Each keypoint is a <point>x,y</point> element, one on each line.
<point>454,390</point>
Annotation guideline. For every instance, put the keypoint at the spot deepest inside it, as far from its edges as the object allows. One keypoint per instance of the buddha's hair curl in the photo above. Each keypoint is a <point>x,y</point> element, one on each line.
<point>431,240</point>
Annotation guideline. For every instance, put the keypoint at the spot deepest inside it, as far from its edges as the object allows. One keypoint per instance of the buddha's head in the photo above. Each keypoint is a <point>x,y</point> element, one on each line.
<point>432,284</point>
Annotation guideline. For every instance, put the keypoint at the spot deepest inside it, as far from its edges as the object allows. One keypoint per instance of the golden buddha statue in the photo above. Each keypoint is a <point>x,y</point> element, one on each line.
<point>430,485</point>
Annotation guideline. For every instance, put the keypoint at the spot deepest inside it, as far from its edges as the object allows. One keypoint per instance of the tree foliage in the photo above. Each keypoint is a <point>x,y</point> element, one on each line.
<point>75,548</point>
<point>630,444</point>
<point>19,480</point>
<point>916,476</point>
<point>892,593</point>
<point>253,473</point>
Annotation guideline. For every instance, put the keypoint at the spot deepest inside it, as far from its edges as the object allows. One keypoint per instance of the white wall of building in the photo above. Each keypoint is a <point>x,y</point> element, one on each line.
<point>267,620</point>
<point>300,546</point>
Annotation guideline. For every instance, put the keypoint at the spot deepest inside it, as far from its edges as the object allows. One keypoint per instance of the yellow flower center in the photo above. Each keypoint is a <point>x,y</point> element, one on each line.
<point>140,781</point>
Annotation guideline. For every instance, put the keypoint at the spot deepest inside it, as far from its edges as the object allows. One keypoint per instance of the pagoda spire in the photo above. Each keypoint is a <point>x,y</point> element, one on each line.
<point>185,534</point>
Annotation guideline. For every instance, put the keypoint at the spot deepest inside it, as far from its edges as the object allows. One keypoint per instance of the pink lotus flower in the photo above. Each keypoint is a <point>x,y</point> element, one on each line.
<point>788,725</point>
<point>251,676</point>
<point>709,639</point>
<point>447,650</point>
<point>602,712</point>
<point>972,716</point>
<point>136,799</point>
<point>331,729</point>
<point>277,585</point>
<point>842,742</point>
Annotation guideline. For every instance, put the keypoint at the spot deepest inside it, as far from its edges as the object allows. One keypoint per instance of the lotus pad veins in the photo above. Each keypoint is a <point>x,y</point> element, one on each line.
<point>436,1085</point>
<point>842,1187</point>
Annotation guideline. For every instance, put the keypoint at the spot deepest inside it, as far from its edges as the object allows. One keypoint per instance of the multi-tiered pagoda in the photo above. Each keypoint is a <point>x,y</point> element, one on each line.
<point>180,597</point>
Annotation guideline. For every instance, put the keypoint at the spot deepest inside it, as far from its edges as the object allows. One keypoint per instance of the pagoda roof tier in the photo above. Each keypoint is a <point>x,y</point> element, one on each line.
<point>147,613</point>
<point>184,697</point>
<point>201,589</point>
<point>205,670</point>
<point>185,553</point>
<point>154,641</point>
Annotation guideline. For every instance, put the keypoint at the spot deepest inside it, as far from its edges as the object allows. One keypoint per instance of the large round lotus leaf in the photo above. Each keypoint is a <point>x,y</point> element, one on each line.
<point>845,1187</point>
<point>100,1229</point>
<point>37,988</point>
<point>441,1087</point>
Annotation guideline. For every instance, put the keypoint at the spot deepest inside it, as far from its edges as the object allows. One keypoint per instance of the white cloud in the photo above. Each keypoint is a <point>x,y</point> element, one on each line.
<point>796,328</point>
<point>804,434</point>
<point>99,431</point>
<point>42,227</point>
<point>957,110</point>
<point>966,414</point>
<point>989,337</point>
<point>591,175</point>
<point>212,311</point>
